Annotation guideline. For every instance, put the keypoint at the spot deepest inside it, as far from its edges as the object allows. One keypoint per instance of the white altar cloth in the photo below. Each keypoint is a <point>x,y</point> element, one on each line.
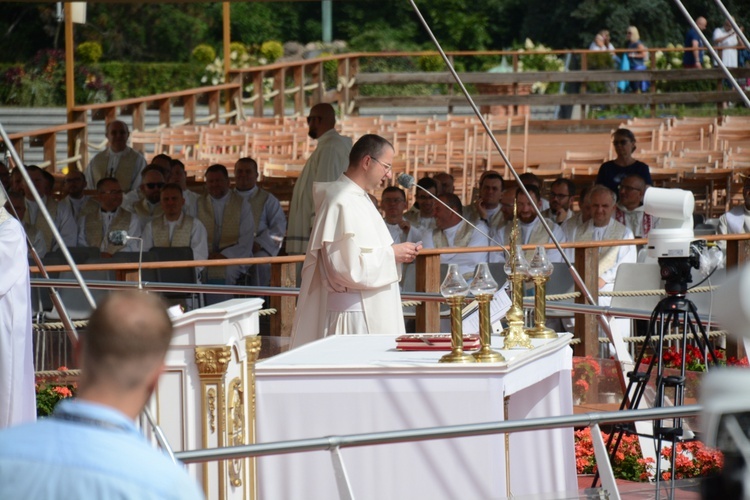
<point>361,383</point>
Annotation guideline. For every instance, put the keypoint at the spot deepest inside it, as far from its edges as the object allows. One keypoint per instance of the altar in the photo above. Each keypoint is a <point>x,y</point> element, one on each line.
<point>360,384</point>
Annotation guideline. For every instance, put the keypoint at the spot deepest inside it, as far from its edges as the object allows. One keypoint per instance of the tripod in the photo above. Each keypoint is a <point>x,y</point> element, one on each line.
<point>672,312</point>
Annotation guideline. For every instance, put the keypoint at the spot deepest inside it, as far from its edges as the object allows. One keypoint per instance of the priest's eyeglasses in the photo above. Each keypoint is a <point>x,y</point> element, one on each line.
<point>388,167</point>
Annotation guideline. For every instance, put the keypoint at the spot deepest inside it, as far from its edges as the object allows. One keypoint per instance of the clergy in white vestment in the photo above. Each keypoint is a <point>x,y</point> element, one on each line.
<point>229,223</point>
<point>326,164</point>
<point>487,208</point>
<point>630,210</point>
<point>16,206</point>
<point>532,231</point>
<point>59,212</point>
<point>451,231</point>
<point>178,176</point>
<point>74,185</point>
<point>119,160</point>
<point>602,227</point>
<point>737,220</point>
<point>95,227</point>
<point>17,395</point>
<point>145,202</point>
<point>175,228</point>
<point>352,268</point>
<point>269,218</point>
<point>393,203</point>
<point>421,214</point>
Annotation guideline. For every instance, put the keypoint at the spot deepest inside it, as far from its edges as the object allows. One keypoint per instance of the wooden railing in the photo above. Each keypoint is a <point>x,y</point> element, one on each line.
<point>428,279</point>
<point>302,83</point>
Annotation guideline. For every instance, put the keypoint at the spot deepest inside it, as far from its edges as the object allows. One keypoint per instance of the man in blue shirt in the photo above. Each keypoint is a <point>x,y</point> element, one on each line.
<point>90,446</point>
<point>693,55</point>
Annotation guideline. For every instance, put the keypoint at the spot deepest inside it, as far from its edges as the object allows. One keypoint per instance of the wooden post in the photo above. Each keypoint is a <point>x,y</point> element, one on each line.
<point>299,82</point>
<point>283,275</point>
<point>428,280</point>
<point>279,99</point>
<point>587,327</point>
<point>258,91</point>
<point>188,107</point>
<point>139,116</point>
<point>70,92</point>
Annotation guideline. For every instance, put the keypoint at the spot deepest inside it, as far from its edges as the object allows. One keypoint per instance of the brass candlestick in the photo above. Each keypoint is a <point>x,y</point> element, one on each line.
<point>483,286</point>
<point>540,270</point>
<point>516,268</point>
<point>455,289</point>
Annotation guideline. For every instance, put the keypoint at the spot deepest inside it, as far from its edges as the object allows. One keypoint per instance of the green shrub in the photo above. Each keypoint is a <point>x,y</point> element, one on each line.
<point>89,52</point>
<point>431,63</point>
<point>141,79</point>
<point>203,54</point>
<point>238,47</point>
<point>271,50</point>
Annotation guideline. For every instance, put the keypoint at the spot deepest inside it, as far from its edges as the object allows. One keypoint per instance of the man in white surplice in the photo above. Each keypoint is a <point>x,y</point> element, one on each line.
<point>451,231</point>
<point>352,268</point>
<point>119,160</point>
<point>17,397</point>
<point>737,220</point>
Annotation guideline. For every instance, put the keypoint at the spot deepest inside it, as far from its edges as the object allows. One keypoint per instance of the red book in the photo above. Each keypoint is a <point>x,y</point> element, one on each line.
<point>434,342</point>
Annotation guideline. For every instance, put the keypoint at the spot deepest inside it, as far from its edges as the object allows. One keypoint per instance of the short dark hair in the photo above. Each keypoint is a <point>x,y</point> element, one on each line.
<point>105,180</point>
<point>532,189</point>
<point>530,178</point>
<point>452,201</point>
<point>153,168</point>
<point>217,167</point>
<point>162,156</point>
<point>172,186</point>
<point>49,178</point>
<point>428,183</point>
<point>567,182</point>
<point>394,189</point>
<point>492,175</point>
<point>177,163</point>
<point>368,145</point>
<point>251,161</point>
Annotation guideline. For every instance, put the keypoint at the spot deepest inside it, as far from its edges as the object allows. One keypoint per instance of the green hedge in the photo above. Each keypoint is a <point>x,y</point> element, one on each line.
<point>142,79</point>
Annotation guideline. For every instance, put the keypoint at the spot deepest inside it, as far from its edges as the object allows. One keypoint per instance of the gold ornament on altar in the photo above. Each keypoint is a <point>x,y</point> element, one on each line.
<point>483,287</point>
<point>540,269</point>
<point>517,268</point>
<point>455,289</point>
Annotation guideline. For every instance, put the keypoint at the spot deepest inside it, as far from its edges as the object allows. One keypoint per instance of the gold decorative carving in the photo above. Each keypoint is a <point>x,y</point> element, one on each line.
<point>212,360</point>
<point>236,428</point>
<point>211,405</point>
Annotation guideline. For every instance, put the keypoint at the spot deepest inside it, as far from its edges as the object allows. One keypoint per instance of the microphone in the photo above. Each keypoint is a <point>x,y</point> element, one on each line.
<point>119,238</point>
<point>407,181</point>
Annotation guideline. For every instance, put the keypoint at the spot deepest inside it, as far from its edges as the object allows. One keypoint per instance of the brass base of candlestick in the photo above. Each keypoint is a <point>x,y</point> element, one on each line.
<point>541,332</point>
<point>516,338</point>
<point>458,356</point>
<point>487,355</point>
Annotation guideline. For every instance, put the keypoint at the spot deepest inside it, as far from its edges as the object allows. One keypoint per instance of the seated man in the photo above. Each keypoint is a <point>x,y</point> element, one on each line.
<point>178,176</point>
<point>60,213</point>
<point>560,198</point>
<point>269,219</point>
<point>445,182</point>
<point>451,231</point>
<point>737,220</point>
<point>16,206</point>
<point>95,226</point>
<point>80,204</point>
<point>531,179</point>
<point>175,228</point>
<point>630,206</point>
<point>580,217</point>
<point>145,202</point>
<point>229,224</point>
<point>507,202</point>
<point>420,215</point>
<point>394,204</point>
<point>119,160</point>
<point>602,227</point>
<point>532,230</point>
<point>487,206</point>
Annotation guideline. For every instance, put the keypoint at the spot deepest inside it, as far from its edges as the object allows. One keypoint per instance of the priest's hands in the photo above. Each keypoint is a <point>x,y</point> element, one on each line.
<point>406,252</point>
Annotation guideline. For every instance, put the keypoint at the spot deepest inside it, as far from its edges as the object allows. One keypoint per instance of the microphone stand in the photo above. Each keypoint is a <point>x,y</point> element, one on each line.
<point>576,277</point>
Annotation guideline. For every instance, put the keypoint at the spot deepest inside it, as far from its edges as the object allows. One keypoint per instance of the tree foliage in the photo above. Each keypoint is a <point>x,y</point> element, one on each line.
<point>169,32</point>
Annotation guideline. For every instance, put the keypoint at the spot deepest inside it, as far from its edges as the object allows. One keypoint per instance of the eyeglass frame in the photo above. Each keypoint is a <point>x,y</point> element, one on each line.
<point>388,168</point>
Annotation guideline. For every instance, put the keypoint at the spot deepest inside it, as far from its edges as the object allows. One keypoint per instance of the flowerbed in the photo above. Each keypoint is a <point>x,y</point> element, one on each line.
<point>50,391</point>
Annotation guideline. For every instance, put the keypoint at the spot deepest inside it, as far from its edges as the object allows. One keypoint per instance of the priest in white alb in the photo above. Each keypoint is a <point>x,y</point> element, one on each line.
<point>352,267</point>
<point>17,396</point>
<point>737,220</point>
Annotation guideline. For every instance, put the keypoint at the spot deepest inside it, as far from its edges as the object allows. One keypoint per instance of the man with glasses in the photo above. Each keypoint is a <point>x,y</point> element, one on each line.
<point>629,209</point>
<point>94,227</point>
<point>119,160</point>
<point>560,197</point>
<point>148,204</point>
<point>326,164</point>
<point>393,203</point>
<point>421,215</point>
<point>350,278</point>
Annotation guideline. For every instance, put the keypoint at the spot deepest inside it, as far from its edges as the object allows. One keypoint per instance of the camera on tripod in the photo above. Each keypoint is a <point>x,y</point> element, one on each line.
<point>671,242</point>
